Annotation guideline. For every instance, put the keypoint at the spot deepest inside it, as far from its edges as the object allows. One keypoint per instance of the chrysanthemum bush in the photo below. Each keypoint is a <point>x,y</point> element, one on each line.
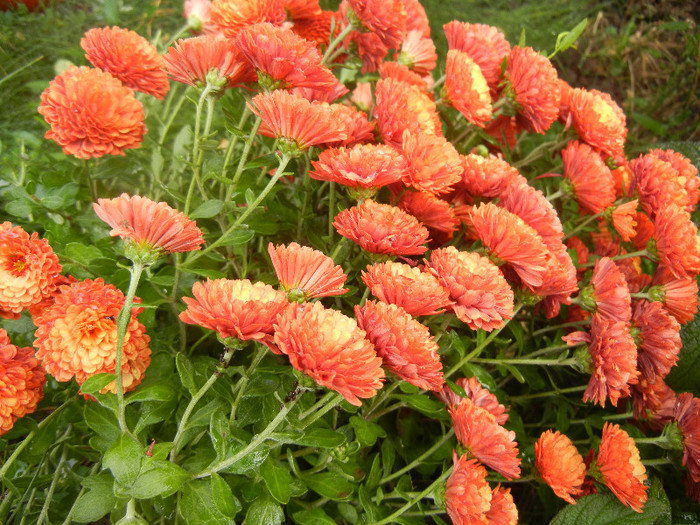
<point>297,268</point>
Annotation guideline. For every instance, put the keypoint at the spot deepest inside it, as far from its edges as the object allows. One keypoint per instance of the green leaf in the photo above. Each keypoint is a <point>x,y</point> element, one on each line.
<point>205,272</point>
<point>330,485</point>
<point>124,459</point>
<point>277,478</point>
<point>224,499</point>
<point>237,238</point>
<point>94,384</point>
<point>366,432</point>
<point>155,392</point>
<point>101,420</point>
<point>366,503</point>
<point>375,473</point>
<point>82,252</point>
<point>18,208</point>
<point>567,39</point>
<point>158,478</point>
<point>264,512</point>
<point>98,501</point>
<point>186,371</point>
<point>199,505</point>
<point>686,376</point>
<point>262,384</point>
<point>425,405</point>
<point>316,437</point>
<point>207,209</point>
<point>312,517</point>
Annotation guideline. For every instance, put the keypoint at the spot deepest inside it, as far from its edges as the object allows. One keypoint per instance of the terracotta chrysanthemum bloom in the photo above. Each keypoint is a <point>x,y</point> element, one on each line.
<point>677,243</point>
<point>657,184</point>
<point>678,295</point>
<point>486,440</point>
<point>510,240</point>
<point>385,18</point>
<point>77,336</point>
<point>91,113</point>
<point>317,28</point>
<point>190,60</point>
<point>230,16</point>
<point>599,121</point>
<point>353,122</point>
<point>28,269</point>
<point>382,228</point>
<point>487,176</point>
<point>483,299</point>
<point>416,18</point>
<point>560,281</point>
<point>433,212</point>
<point>623,218</point>
<point>621,468</point>
<point>535,89</point>
<point>129,57</point>
<point>329,347</point>
<point>434,164</point>
<point>653,402</point>
<point>149,225</point>
<point>560,465</point>
<point>417,53</point>
<point>686,412</point>
<point>533,207</point>
<point>591,181</point>
<point>305,273</point>
<point>405,345</point>
<point>503,510</point>
<point>608,289</point>
<point>21,382</point>
<point>197,13</point>
<point>658,339</point>
<point>467,495</point>
<point>479,395</point>
<point>687,173</point>
<point>466,88</point>
<point>400,72</point>
<point>235,308</point>
<point>418,293</point>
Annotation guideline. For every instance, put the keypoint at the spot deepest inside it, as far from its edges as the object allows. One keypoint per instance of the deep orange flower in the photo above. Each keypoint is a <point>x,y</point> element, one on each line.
<point>483,298</point>
<point>434,213</point>
<point>677,243</point>
<point>622,175</point>
<point>592,182</point>
<point>418,53</point>
<point>653,402</point>
<point>235,308</point>
<point>599,121</point>
<point>77,336</point>
<point>631,268</point>
<point>466,88</point>
<point>353,122</point>
<point>623,219</point>
<point>129,57</point>
<point>306,273</point>
<point>621,468</point>
<point>678,295</point>
<point>36,310</point>
<point>503,510</point>
<point>401,72</point>
<point>316,29</point>
<point>485,45</point>
<point>560,281</point>
<point>384,18</point>
<point>687,173</point>
<point>603,243</point>
<point>28,269</point>
<point>329,347</point>
<point>510,240</point>
<point>533,207</point>
<point>91,113</point>
<point>658,339</point>
<point>283,59</point>
<point>416,19</point>
<point>434,164</point>
<point>486,440</point>
<point>487,176</point>
<point>22,382</point>
<point>560,465</point>
<point>405,345</point>
<point>609,291</point>
<point>230,16</point>
<point>297,121</point>
<point>504,130</point>
<point>381,228</point>
<point>479,395</point>
<point>657,183</point>
<point>317,95</point>
<point>582,252</point>
<point>418,293</point>
<point>686,412</point>
<point>302,9</point>
<point>191,59</point>
<point>467,493</point>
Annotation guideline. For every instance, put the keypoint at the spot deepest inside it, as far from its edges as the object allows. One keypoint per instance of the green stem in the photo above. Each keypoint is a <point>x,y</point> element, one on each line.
<point>334,43</point>
<point>439,82</point>
<point>640,253</point>
<point>387,410</point>
<point>244,158</point>
<point>234,140</point>
<point>69,518</point>
<point>555,195</point>
<point>558,392</point>
<point>338,246</point>
<point>331,210</point>
<point>49,495</point>
<point>537,362</point>
<point>203,97</point>
<point>583,224</point>
<point>572,324</point>
<point>419,460</point>
<point>316,406</point>
<point>655,462</point>
<point>381,398</point>
<point>549,350</point>
<point>330,405</point>
<point>241,386</point>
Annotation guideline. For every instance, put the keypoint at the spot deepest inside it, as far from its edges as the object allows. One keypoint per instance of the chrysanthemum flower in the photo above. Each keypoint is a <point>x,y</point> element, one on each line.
<point>129,57</point>
<point>91,113</point>
<point>77,336</point>
<point>316,29</point>
<point>593,185</point>
<point>677,243</point>
<point>560,281</point>
<point>235,308</point>
<point>197,13</point>
<point>418,293</point>
<point>317,95</point>
<point>36,310</point>
<point>302,9</point>
<point>418,53</point>
<point>607,294</point>
<point>405,345</point>
<point>487,176</point>
<point>382,228</point>
<point>28,269</point>
<point>329,347</point>
<point>466,88</point>
<point>401,72</point>
<point>582,252</point>
<point>510,240</point>
<point>687,173</point>
<point>623,219</point>
<point>190,60</point>
<point>504,130</point>
<point>653,402</point>
<point>503,510</point>
<point>621,468</point>
<point>384,18</point>
<point>658,339</point>
<point>22,382</point>
<point>479,395</point>
<point>467,493</point>
<point>433,212</point>
<point>416,18</point>
<point>631,268</point>
<point>622,175</point>
<point>678,295</point>
<point>560,465</point>
<point>486,440</point>
<point>230,16</point>
<point>686,412</point>
<point>353,122</point>
<point>657,183</point>
<point>483,298</point>
<point>599,121</point>
<point>434,164</point>
<point>306,273</point>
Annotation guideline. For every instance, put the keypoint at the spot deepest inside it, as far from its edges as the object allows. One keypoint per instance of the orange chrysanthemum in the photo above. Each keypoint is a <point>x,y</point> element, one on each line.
<point>686,412</point>
<point>486,440</point>
<point>621,468</point>
<point>230,16</point>
<point>467,493</point>
<point>353,122</point>
<point>149,225</point>
<point>560,281</point>
<point>687,173</point>
<point>22,382</point>
<point>401,72</point>
<point>653,402</point>
<point>657,184</point>
<point>416,19</point>
<point>622,175</point>
<point>316,29</point>
<point>434,164</point>
<point>608,295</point>
<point>592,182</point>
<point>302,9</point>
<point>658,337</point>
<point>129,57</point>
<point>405,345</point>
<point>560,465</point>
<point>535,88</point>
<point>433,212</point>
<point>466,88</point>
<point>317,95</point>
<point>479,395</point>
<point>305,273</point>
<point>623,218</point>
<point>382,228</point>
<point>190,60</point>
<point>77,336</point>
<point>599,121</point>
<point>92,114</point>
<point>28,269</point>
<point>197,13</point>
<point>384,18</point>
<point>483,298</point>
<point>329,347</point>
<point>418,53</point>
<point>533,207</point>
<point>510,240</point>
<point>235,308</point>
<point>503,510</point>
<point>677,243</point>
<point>631,268</point>
<point>678,295</point>
<point>487,176</point>
<point>418,293</point>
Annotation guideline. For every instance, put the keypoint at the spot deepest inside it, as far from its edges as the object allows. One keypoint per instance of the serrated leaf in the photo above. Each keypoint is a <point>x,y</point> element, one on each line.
<point>264,512</point>
<point>366,432</point>
<point>98,501</point>
<point>197,505</point>
<point>94,384</point>
<point>278,480</point>
<point>124,459</point>
<point>567,39</point>
<point>207,209</point>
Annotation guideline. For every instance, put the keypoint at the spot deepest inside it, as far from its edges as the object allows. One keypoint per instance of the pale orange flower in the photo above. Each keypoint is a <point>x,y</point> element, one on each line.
<point>621,467</point>
<point>467,493</point>
<point>316,29</point>
<point>622,175</point>
<point>418,53</point>
<point>434,164</point>
<point>657,184</point>
<point>384,18</point>
<point>623,218</point>
<point>91,113</point>
<point>230,16</point>
<point>306,273</point>
<point>593,185</point>
<point>22,382</point>
<point>418,293</point>
<point>77,336</point>
<point>686,412</point>
<point>487,176</point>
<point>608,291</point>
<point>129,57</point>
<point>503,510</point>
<point>433,212</point>
<point>302,9</point>
<point>466,88</point>
<point>678,295</point>
<point>329,347</point>
<point>405,345</point>
<point>361,96</point>
<point>197,13</point>
<point>416,19</point>
<point>687,173</point>
<point>28,269</point>
<point>353,122</point>
<point>317,95</point>
<point>560,465</point>
<point>382,228</point>
<point>677,241</point>
<point>658,338</point>
<point>479,395</point>
<point>560,281</point>
<point>599,121</point>
<point>401,72</point>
